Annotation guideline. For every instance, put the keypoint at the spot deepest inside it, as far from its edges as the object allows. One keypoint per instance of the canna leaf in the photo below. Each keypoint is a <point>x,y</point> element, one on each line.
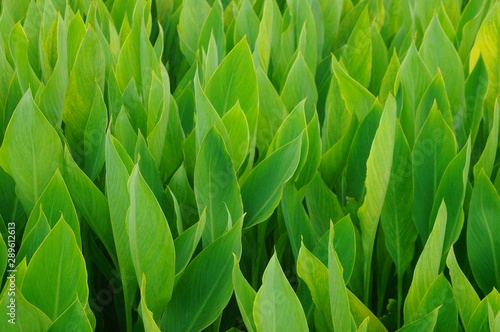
<point>204,288</point>
<point>31,141</point>
<point>259,200</point>
<point>482,247</point>
<point>56,274</point>
<point>378,168</point>
<point>149,232</point>
<point>215,186</point>
<point>276,307</point>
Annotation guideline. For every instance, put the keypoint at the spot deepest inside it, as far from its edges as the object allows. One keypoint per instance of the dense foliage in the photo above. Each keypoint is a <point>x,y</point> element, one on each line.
<point>255,165</point>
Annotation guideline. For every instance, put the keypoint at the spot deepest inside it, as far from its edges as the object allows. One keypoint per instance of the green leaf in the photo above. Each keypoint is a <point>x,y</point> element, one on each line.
<point>203,290</point>
<point>359,313</point>
<point>186,243</point>
<point>192,18</point>
<point>149,232</point>
<point>245,297</point>
<point>476,87</point>
<point>56,274</point>
<point>466,297</point>
<point>51,97</point>
<point>339,300</point>
<point>452,189</point>
<point>146,315</point>
<point>357,98</point>
<point>434,149</point>
<point>276,306</point>
<point>482,245</point>
<point>396,218</point>
<point>486,46</point>
<point>207,117</point>
<point>213,28</point>
<point>268,39</point>
<point>118,169</point>
<point>300,85</point>
<point>426,323</point>
<point>236,125</point>
<point>298,225</point>
<point>487,159</point>
<point>55,201</point>
<point>74,318</point>
<point>246,24</point>
<point>426,270</point>
<point>434,96</point>
<point>137,60</point>
<point>315,275</point>
<point>262,190</point>
<point>28,317</point>
<point>85,80</point>
<point>479,320</point>
<point>378,172</point>
<point>358,52</point>
<point>438,53</point>
<point>236,78</point>
<point>273,110</point>
<point>94,137</point>
<point>360,151</point>
<point>322,205</point>
<point>448,313</point>
<point>413,78</point>
<point>33,238</point>
<point>3,254</point>
<point>32,142</point>
<point>389,79</point>
<point>89,201</point>
<point>215,186</point>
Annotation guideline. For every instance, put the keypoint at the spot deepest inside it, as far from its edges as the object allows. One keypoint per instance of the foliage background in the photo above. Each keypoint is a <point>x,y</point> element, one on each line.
<point>260,165</point>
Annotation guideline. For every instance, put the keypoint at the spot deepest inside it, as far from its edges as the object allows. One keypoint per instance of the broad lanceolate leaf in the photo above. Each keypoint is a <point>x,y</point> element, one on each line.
<point>146,315</point>
<point>359,100</point>
<point>151,243</point>
<point>426,323</point>
<point>245,296</point>
<point>89,201</point>
<point>73,319</point>
<point>187,242</point>
<point>438,53</point>
<point>482,243</point>
<point>426,270</point>
<point>487,46</point>
<point>261,191</point>
<point>54,202</point>
<point>31,151</point>
<point>358,52</point>
<point>396,218</point>
<point>490,305</point>
<point>339,300</point>
<point>56,274</point>
<point>467,299</point>
<point>191,21</point>
<point>434,149</point>
<point>204,288</point>
<point>86,78</point>
<point>28,316</point>
<point>487,159</point>
<point>276,306</point>
<point>414,78</point>
<point>118,168</point>
<point>379,167</point>
<point>315,275</point>
<point>216,187</point>
<point>235,80</point>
